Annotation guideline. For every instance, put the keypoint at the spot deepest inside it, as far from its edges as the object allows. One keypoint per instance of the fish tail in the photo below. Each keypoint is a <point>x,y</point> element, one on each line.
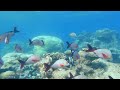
<point>71,75</point>
<point>22,63</point>
<point>110,77</point>
<point>90,48</point>
<point>68,44</point>
<point>47,67</point>
<point>30,41</point>
<point>15,30</point>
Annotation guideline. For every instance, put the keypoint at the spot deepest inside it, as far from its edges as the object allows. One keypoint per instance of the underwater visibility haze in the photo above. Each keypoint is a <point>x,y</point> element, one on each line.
<point>59,45</point>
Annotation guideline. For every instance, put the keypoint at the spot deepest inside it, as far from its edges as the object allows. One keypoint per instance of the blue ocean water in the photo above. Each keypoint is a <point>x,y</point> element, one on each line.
<point>57,23</point>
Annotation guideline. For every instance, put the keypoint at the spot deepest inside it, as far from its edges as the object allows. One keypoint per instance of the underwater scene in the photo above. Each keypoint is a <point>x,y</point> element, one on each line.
<point>59,45</point>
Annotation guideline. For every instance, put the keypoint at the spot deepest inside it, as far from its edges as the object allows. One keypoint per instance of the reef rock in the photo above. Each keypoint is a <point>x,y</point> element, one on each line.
<point>62,74</point>
<point>7,74</point>
<point>106,35</point>
<point>112,70</point>
<point>52,44</point>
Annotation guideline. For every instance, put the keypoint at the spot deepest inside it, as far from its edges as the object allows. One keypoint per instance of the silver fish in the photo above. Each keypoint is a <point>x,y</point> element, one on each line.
<point>72,46</point>
<point>31,60</point>
<point>36,42</point>
<point>58,64</point>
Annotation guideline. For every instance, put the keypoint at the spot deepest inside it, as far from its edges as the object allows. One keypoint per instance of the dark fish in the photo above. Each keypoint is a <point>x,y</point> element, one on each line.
<point>36,42</point>
<point>7,36</point>
<point>110,77</point>
<point>18,48</point>
<point>90,48</point>
<point>72,46</point>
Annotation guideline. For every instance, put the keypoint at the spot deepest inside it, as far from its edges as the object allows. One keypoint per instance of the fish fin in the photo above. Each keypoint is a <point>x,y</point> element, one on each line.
<point>90,48</point>
<point>43,42</point>
<point>68,44</point>
<point>110,77</point>
<point>6,38</point>
<point>15,30</point>
<point>22,63</point>
<point>71,75</point>
<point>47,67</point>
<point>30,41</point>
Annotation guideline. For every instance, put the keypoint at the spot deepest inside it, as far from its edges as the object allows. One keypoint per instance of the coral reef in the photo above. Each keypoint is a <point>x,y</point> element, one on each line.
<point>89,66</point>
<point>7,75</point>
<point>83,68</point>
<point>106,35</point>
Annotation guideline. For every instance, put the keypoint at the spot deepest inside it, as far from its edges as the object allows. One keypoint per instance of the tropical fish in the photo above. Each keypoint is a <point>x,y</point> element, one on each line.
<point>36,42</point>
<point>18,48</point>
<point>103,53</point>
<point>73,46</point>
<point>90,48</point>
<point>73,35</point>
<point>7,36</point>
<point>75,55</point>
<point>31,60</point>
<point>58,64</point>
<point>1,62</point>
